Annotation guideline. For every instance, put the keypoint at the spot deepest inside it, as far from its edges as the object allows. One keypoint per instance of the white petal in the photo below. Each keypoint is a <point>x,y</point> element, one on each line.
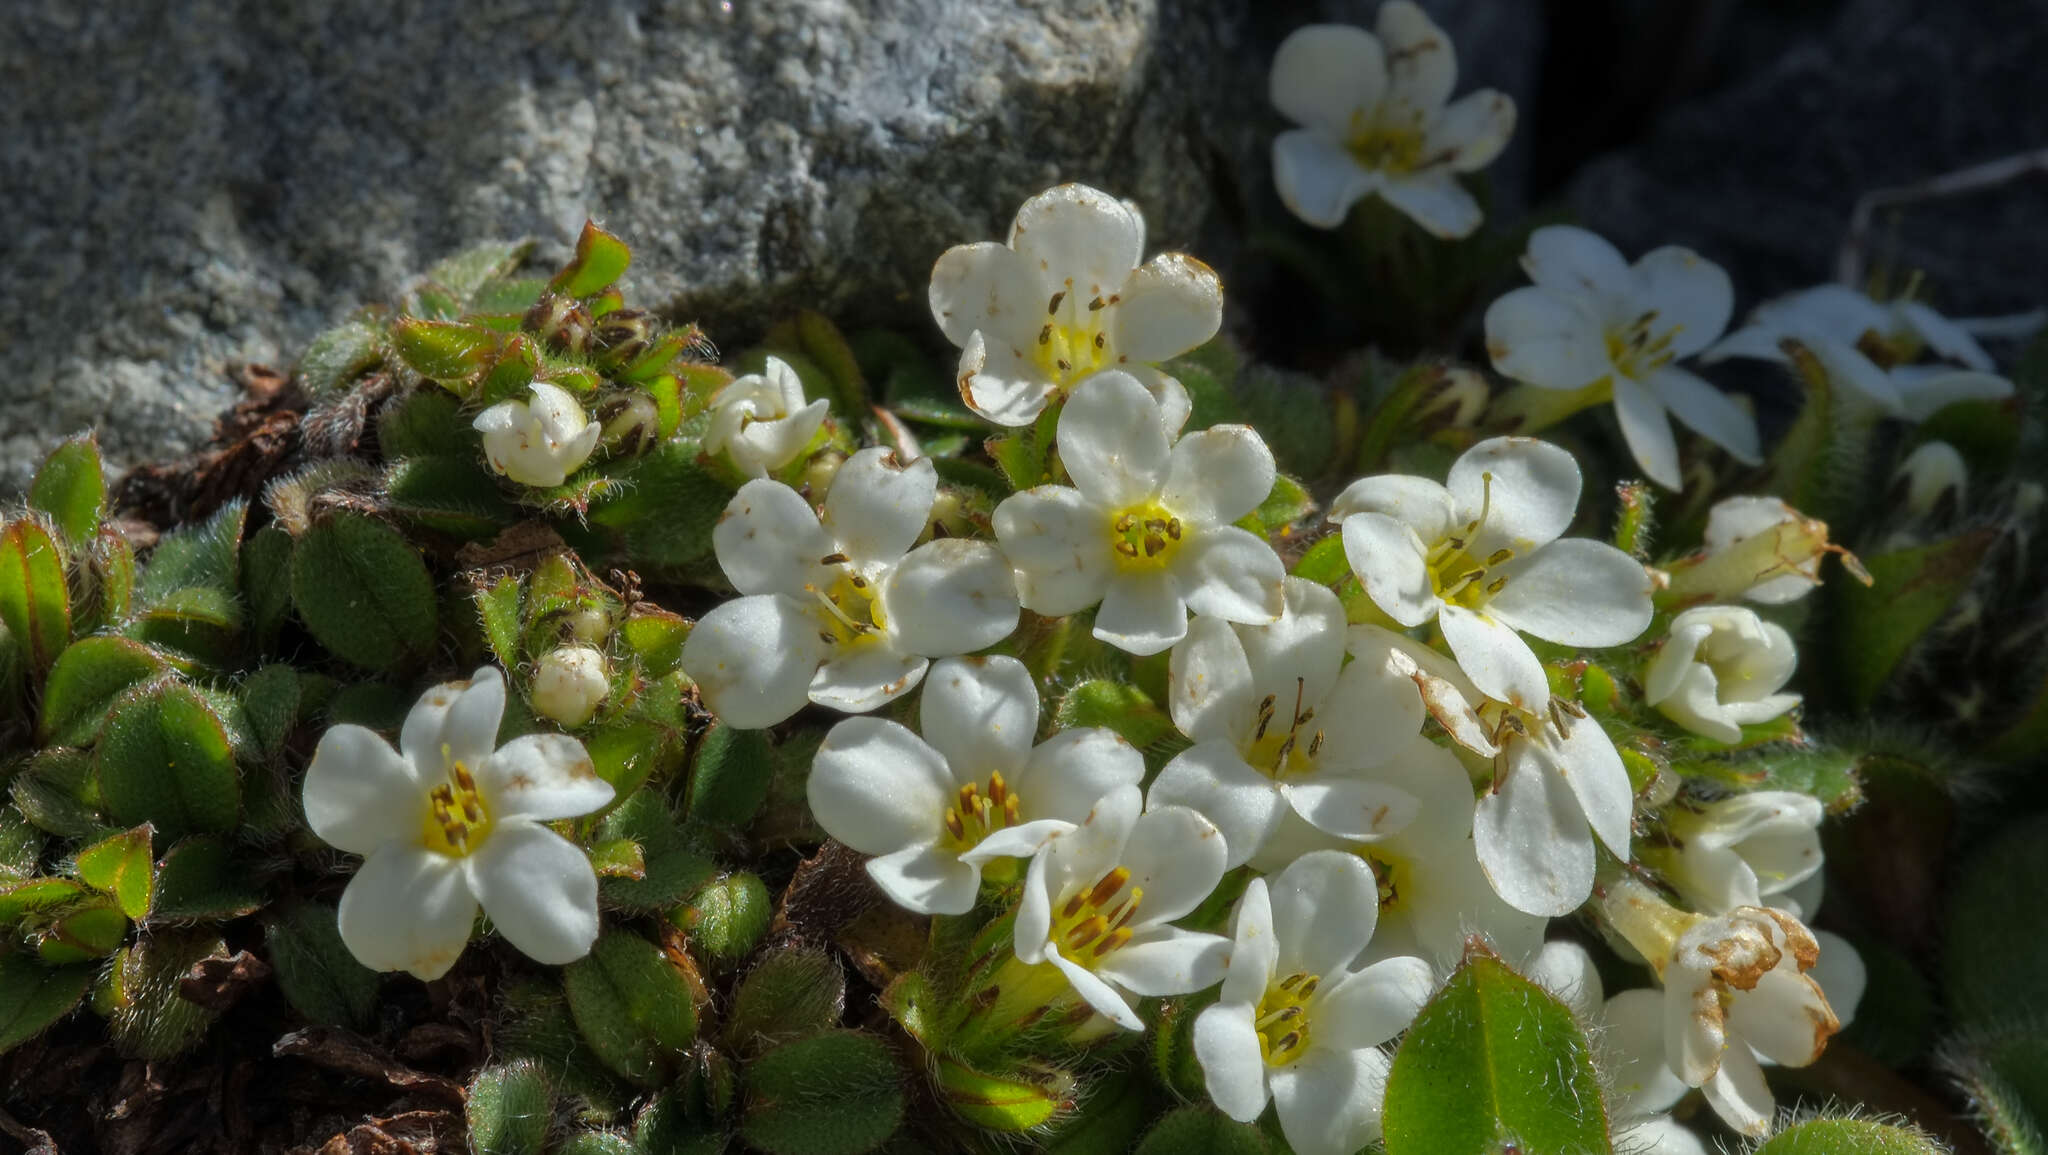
<point>1142,613</point>
<point>1547,338</point>
<point>1366,717</point>
<point>1473,129</point>
<point>1254,949</point>
<point>1422,67</point>
<point>1578,592</point>
<point>1351,807</point>
<point>950,596</point>
<point>1646,426</point>
<point>1079,237</point>
<point>1391,562</point>
<point>1944,336</point>
<point>1033,924</point>
<point>1323,73</point>
<point>860,678</point>
<point>1840,974</point>
<point>1304,649</point>
<point>407,909</point>
<point>1708,412</point>
<point>1739,1095</point>
<point>1174,403</point>
<point>1096,993</point>
<point>1067,772</point>
<point>1325,905</point>
<point>1761,342</point>
<point>878,788</point>
<point>360,793</point>
<point>1695,1035</point>
<point>988,287</point>
<point>1565,969</point>
<point>1177,856</point>
<point>1687,291</point>
<point>1058,542</point>
<point>1632,1053</point>
<point>1533,841</point>
<point>1000,383</point>
<point>1532,494</point>
<point>1785,1018</point>
<point>980,714</point>
<point>1660,1135</point>
<point>1587,761</point>
<point>927,880</point>
<point>1496,658</point>
<point>769,540</point>
<point>1419,503</point>
<point>878,503</point>
<point>455,722</point>
<point>420,738</point>
<point>764,445</point>
<point>1368,1008</point>
<point>1111,442</point>
<point>1436,201</point>
<point>1170,305</point>
<point>1846,365</point>
<point>1229,573</point>
<point>1209,683</point>
<point>1095,847</point>
<point>542,777</point>
<point>1021,841</point>
<point>1317,180</point>
<point>1213,780</point>
<point>1167,960</point>
<point>753,659</point>
<point>1329,1101</point>
<point>1218,475</point>
<point>1233,1063</point>
<point>1926,394</point>
<point>1568,259</point>
<point>539,891</point>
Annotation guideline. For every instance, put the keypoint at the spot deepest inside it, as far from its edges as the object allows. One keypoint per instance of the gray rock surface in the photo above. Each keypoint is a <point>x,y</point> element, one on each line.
<point>200,182</point>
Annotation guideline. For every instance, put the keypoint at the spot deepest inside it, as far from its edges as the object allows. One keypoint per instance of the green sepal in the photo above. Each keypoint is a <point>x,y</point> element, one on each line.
<point>35,599</point>
<point>123,866</point>
<point>838,1093</point>
<point>787,995</point>
<point>510,377</point>
<point>28,896</point>
<point>656,636</point>
<point>88,678</point>
<point>1007,1105</point>
<point>629,751</point>
<point>319,977</point>
<point>71,489</point>
<point>1286,503</point>
<point>33,997</point>
<point>498,610</point>
<point>363,592</point>
<point>340,355</point>
<point>633,1005</point>
<point>599,261</point>
<point>165,757</point>
<point>1025,455</point>
<point>510,1106</point>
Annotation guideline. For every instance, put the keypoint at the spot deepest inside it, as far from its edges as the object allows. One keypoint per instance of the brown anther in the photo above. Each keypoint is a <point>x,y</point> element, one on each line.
<point>1087,932</point>
<point>1129,910</point>
<point>1010,814</point>
<point>1315,744</point>
<point>1287,1042</point>
<point>1292,981</point>
<point>1053,306</point>
<point>1108,885</point>
<point>1074,906</point>
<point>1101,340</point>
<point>1286,748</point>
<point>1309,986</point>
<point>1496,585</point>
<point>1127,549</point>
<point>858,582</point>
<point>1571,707</point>
<point>997,788</point>
<point>1173,528</point>
<point>954,826</point>
<point>1124,523</point>
<point>1064,367</point>
<point>1095,304</point>
<point>1113,940</point>
<point>834,559</point>
<point>826,637</point>
<point>1045,335</point>
<point>471,810</point>
<point>1498,556</point>
<point>1153,544</point>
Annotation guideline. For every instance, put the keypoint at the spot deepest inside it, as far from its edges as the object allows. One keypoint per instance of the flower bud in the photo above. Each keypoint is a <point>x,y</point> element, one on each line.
<point>632,424</point>
<point>762,420</point>
<point>538,443</point>
<point>622,335</point>
<point>1757,548</point>
<point>1720,669</point>
<point>570,684</point>
<point>561,321</point>
<point>1932,482</point>
<point>1747,850</point>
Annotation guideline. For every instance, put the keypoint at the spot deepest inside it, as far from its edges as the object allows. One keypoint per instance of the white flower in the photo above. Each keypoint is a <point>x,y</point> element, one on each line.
<point>1145,530</point>
<point>937,809</point>
<point>1279,727</point>
<point>1432,894</point>
<point>1295,1023</point>
<point>539,443</point>
<point>1594,320</point>
<point>1065,298</point>
<point>1758,548</point>
<point>1873,347</point>
<point>452,822</point>
<point>1376,117</point>
<point>1627,1033</point>
<point>570,684</point>
<point>840,610</point>
<point>1557,783</point>
<point>761,419</point>
<point>1721,668</point>
<point>1744,850</point>
<point>1483,558</point>
<point>1097,901</point>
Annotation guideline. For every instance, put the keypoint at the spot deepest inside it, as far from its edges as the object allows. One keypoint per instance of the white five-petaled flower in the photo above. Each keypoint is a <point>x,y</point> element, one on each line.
<point>839,609</point>
<point>937,809</point>
<point>1098,900</point>
<point>1376,116</point>
<point>1066,298</point>
<point>538,442</point>
<point>1145,529</point>
<point>451,820</point>
<point>1592,320</point>
<point>1557,781</point>
<point>1432,894</point>
<point>1295,1023</point>
<point>1482,556</point>
<point>1753,849</point>
<point>1280,723</point>
<point>1874,347</point>
<point>761,419</point>
<point>1721,668</point>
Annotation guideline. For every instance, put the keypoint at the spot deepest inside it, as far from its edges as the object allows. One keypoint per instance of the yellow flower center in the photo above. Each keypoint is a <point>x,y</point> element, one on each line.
<point>1278,753</point>
<point>457,822</point>
<point>1144,537</point>
<point>1636,350</point>
<point>1074,340</point>
<point>1389,871</point>
<point>977,813</point>
<point>1282,1018</point>
<point>1095,922</point>
<point>1457,575</point>
<point>1386,142</point>
<point>1901,346</point>
<point>849,607</point>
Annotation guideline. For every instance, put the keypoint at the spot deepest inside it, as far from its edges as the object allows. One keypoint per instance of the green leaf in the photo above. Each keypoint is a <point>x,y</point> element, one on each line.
<point>1876,626</point>
<point>451,494</point>
<point>994,1103</point>
<point>363,592</point>
<point>608,1143</point>
<point>600,259</point>
<point>32,997</point>
<point>1848,1137</point>
<point>672,1125</point>
<point>812,345</point>
<point>665,510</point>
<point>1287,503</point>
<point>71,488</point>
<point>787,995</point>
<point>449,352</point>
<point>726,919</point>
<point>1493,1059</point>
<point>110,560</point>
<point>319,977</point>
<point>1025,455</point>
<point>164,758</point>
<point>2004,1073</point>
<point>266,582</point>
<point>675,867</point>
<point>340,355</point>
<point>147,1017</point>
<point>123,866</point>
<point>57,792</point>
<point>199,879</point>
<point>84,684</point>
<point>657,636</point>
<point>35,602</point>
<point>35,896</point>
<point>497,607</point>
<point>1202,1131</point>
<point>270,698</point>
<point>728,777</point>
<point>21,844</point>
<point>839,1093</point>
<point>82,933</point>
<point>469,270</point>
<point>509,1109</point>
<point>1991,959</point>
<point>632,1005</point>
<point>426,423</point>
<point>628,751</point>
<point>205,555</point>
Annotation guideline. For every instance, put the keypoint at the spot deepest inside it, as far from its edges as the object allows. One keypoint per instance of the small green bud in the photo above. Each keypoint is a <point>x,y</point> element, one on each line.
<point>1011,1105</point>
<point>727,918</point>
<point>509,1109</point>
<point>560,321</point>
<point>632,424</point>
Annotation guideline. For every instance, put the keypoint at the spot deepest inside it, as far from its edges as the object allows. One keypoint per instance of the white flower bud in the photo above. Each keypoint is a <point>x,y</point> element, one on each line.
<point>762,421</point>
<point>1720,669</point>
<point>1758,548</point>
<point>1753,849</point>
<point>570,685</point>
<point>1930,474</point>
<point>538,443</point>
